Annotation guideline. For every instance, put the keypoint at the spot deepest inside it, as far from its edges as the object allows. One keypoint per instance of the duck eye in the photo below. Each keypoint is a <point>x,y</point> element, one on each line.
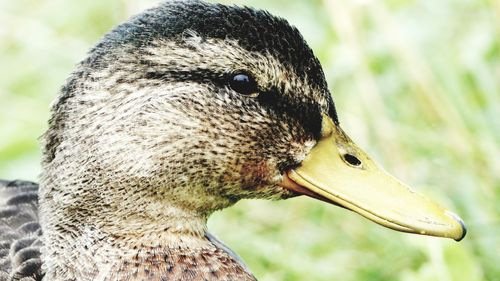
<point>352,160</point>
<point>243,84</point>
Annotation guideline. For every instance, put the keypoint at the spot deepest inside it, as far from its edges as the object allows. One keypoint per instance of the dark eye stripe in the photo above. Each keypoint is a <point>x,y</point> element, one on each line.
<point>195,74</point>
<point>307,114</point>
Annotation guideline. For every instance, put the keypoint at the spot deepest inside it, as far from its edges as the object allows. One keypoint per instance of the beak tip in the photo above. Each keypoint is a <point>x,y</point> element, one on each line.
<point>462,225</point>
<point>464,229</point>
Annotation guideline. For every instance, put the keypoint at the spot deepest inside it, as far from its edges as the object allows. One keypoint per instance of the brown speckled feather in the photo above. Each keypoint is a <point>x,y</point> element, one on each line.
<point>210,264</point>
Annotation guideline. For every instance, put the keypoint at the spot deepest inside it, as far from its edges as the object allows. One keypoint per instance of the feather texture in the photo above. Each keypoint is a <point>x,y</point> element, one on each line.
<point>20,242</point>
<point>20,231</point>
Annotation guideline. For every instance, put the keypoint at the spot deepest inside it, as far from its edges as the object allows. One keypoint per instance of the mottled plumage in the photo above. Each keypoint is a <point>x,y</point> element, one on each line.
<point>147,139</point>
<point>19,231</point>
<point>20,244</point>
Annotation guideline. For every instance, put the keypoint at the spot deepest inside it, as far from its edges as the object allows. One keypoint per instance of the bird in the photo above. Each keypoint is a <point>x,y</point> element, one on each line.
<point>181,111</point>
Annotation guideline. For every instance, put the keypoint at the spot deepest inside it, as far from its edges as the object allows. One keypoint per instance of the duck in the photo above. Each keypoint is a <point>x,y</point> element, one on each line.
<point>181,111</point>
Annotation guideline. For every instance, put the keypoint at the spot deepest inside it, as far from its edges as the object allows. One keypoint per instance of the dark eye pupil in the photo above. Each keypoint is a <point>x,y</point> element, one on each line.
<point>351,159</point>
<point>243,84</point>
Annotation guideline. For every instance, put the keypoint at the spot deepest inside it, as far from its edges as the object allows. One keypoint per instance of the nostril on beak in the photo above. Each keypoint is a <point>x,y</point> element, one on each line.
<point>352,160</point>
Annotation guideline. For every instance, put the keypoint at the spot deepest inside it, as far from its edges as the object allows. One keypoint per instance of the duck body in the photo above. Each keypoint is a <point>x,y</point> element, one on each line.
<point>20,231</point>
<point>179,112</point>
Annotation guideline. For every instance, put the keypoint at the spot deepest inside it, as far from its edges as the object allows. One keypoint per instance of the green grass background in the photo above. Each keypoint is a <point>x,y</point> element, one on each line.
<point>416,83</point>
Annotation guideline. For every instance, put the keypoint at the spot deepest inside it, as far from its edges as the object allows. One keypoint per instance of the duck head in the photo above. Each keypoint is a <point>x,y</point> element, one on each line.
<point>190,107</point>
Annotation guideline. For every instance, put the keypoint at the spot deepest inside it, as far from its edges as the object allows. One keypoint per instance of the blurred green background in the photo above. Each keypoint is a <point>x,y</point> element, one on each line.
<point>416,83</point>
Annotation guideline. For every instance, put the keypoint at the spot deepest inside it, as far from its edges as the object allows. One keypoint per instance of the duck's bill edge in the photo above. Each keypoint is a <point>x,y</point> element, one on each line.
<point>454,229</point>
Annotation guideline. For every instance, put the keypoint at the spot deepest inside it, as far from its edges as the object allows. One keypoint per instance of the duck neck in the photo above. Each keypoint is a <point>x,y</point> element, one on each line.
<point>153,225</point>
<point>110,225</point>
<point>176,256</point>
<point>176,246</point>
<point>109,241</point>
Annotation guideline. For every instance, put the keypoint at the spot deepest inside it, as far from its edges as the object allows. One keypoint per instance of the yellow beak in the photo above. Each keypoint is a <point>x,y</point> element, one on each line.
<point>338,171</point>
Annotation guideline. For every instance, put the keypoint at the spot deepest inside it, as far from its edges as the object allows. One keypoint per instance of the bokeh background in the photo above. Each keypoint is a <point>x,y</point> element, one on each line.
<point>416,83</point>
